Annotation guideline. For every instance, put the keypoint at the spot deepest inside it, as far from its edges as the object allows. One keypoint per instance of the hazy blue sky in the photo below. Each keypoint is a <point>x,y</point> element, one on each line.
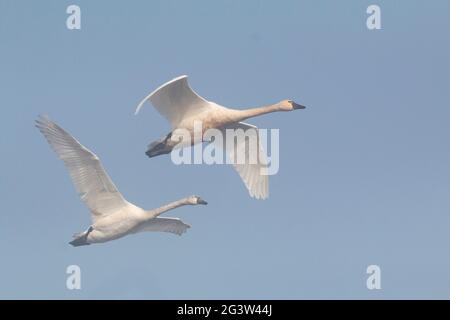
<point>364,171</point>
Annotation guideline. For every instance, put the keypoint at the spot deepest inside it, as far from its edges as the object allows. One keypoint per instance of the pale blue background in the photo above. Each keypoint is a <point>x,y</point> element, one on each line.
<point>364,175</point>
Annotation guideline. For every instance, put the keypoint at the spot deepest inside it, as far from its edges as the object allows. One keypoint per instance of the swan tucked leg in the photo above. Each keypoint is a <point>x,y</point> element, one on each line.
<point>81,238</point>
<point>160,146</point>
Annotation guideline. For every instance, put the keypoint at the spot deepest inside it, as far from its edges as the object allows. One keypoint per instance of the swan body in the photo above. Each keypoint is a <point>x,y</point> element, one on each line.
<point>183,107</point>
<point>113,217</point>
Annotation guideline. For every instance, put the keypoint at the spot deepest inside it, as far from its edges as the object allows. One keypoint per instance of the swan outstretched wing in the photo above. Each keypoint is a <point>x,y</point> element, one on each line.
<point>90,179</point>
<point>175,100</point>
<point>250,172</point>
<point>172,225</point>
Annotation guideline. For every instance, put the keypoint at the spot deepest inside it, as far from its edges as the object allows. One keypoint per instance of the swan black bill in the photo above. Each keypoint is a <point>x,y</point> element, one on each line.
<point>201,201</point>
<point>297,106</point>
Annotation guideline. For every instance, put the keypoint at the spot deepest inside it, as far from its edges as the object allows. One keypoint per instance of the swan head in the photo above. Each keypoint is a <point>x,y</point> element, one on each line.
<point>195,200</point>
<point>289,105</point>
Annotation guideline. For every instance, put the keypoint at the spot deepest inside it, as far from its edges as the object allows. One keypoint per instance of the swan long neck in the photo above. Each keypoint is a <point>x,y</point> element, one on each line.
<point>254,112</point>
<point>156,212</point>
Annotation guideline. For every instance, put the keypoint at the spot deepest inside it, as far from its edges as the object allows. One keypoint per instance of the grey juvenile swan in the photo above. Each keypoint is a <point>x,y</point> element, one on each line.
<point>113,217</point>
<point>181,106</point>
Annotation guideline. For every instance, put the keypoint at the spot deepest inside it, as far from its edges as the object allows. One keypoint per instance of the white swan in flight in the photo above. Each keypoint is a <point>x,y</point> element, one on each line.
<point>113,217</point>
<point>181,106</point>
